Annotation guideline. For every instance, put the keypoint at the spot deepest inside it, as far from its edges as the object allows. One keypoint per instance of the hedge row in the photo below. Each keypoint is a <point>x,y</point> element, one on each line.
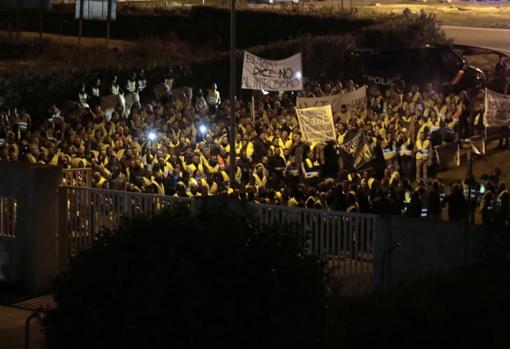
<point>200,24</point>
<point>323,58</point>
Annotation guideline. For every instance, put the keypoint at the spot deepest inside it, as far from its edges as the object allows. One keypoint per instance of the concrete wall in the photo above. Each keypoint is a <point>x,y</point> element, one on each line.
<point>33,254</point>
<point>407,249</point>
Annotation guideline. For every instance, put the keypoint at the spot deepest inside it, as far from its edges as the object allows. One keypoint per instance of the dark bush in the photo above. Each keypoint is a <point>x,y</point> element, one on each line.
<point>406,30</point>
<point>201,24</point>
<point>210,280</point>
<point>461,309</point>
<point>323,58</point>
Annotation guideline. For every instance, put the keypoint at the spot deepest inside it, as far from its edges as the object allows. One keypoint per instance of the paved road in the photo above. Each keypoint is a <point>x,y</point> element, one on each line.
<point>497,39</point>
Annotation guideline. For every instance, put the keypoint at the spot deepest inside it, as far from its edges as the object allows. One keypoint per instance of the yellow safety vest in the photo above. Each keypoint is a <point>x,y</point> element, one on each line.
<point>423,150</point>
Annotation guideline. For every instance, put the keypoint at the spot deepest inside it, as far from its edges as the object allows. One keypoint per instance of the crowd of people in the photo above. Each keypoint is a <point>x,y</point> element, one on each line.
<point>176,143</point>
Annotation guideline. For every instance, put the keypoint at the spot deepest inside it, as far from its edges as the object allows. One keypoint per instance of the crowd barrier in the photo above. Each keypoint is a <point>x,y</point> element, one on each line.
<point>454,154</point>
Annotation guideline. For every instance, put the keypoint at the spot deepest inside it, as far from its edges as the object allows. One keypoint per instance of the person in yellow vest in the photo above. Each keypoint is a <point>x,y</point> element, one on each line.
<point>310,166</point>
<point>131,83</point>
<point>114,87</point>
<point>422,151</point>
<point>390,150</point>
<point>260,176</point>
<point>213,99</point>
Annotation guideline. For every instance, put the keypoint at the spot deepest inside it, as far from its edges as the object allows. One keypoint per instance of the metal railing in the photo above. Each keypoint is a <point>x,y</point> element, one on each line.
<point>77,177</point>
<point>8,207</point>
<point>344,240</point>
<point>84,212</point>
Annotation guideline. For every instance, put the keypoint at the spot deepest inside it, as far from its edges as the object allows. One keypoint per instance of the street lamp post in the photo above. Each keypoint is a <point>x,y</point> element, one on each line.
<point>232,130</point>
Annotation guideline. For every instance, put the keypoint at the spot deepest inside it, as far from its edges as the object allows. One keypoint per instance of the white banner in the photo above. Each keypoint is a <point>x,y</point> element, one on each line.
<point>316,124</point>
<point>351,100</point>
<point>497,109</point>
<point>265,74</point>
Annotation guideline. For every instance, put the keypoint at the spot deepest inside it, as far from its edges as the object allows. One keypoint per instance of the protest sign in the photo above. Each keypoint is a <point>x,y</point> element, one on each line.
<point>352,100</point>
<point>497,109</point>
<point>269,75</point>
<point>359,148</point>
<point>316,124</point>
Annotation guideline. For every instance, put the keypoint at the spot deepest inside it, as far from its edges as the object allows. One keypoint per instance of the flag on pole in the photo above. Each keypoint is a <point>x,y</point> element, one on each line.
<point>359,147</point>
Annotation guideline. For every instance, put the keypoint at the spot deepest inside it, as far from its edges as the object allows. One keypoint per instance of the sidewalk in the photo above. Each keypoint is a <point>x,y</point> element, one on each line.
<point>12,329</point>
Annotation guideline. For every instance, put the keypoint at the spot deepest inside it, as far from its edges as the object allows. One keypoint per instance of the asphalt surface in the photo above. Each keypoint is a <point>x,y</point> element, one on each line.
<point>495,39</point>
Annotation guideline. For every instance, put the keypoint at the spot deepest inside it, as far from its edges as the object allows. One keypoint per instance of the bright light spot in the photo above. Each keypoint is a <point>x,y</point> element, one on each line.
<point>202,129</point>
<point>298,75</point>
<point>265,93</point>
<point>152,136</point>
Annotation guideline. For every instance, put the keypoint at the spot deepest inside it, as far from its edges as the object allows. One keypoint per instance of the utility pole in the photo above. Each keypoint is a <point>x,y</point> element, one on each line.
<point>80,28</point>
<point>18,11</point>
<point>108,23</point>
<point>232,130</point>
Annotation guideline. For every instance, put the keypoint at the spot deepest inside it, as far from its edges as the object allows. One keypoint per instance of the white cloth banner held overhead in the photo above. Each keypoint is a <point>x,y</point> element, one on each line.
<point>316,124</point>
<point>265,74</point>
<point>497,109</point>
<point>354,99</point>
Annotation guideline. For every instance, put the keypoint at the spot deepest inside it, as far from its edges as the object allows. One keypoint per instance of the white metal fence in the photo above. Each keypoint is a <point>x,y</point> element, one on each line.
<point>344,240</point>
<point>77,177</point>
<point>84,212</point>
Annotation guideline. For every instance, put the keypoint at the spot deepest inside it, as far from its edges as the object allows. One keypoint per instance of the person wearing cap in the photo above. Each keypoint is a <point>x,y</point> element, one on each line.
<point>96,92</point>
<point>213,99</point>
<point>114,88</point>
<point>141,82</point>
<point>131,83</point>
<point>83,96</point>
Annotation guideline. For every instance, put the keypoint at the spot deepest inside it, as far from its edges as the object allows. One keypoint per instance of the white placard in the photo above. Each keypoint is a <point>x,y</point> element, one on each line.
<point>269,75</point>
<point>316,124</point>
<point>497,109</point>
<point>354,99</point>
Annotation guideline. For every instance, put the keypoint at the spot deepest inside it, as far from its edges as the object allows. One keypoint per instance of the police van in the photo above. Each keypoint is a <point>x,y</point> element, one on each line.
<point>440,65</point>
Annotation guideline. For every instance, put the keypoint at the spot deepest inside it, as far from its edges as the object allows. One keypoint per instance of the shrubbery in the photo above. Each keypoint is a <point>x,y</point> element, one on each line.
<point>406,30</point>
<point>210,280</point>
<point>323,58</point>
<point>203,24</point>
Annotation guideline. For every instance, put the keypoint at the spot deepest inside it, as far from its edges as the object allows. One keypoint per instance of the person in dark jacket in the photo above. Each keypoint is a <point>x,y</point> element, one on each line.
<point>434,201</point>
<point>457,206</point>
<point>378,159</point>
<point>330,168</point>
<point>415,206</point>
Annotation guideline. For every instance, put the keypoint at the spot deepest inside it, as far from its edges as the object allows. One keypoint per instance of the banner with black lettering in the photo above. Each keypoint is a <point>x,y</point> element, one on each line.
<point>351,100</point>
<point>269,75</point>
<point>316,124</point>
<point>497,109</point>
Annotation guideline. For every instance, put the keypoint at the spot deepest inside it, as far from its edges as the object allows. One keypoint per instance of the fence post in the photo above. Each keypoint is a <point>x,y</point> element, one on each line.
<point>41,216</point>
<point>62,233</point>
